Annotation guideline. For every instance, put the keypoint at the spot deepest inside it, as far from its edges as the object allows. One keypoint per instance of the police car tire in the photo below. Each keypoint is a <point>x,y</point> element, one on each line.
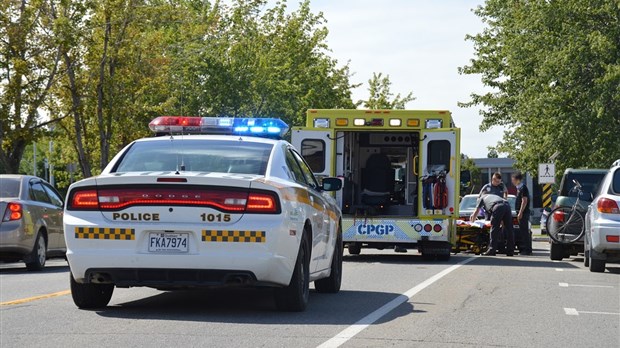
<point>332,283</point>
<point>91,296</point>
<point>294,297</point>
<point>354,248</point>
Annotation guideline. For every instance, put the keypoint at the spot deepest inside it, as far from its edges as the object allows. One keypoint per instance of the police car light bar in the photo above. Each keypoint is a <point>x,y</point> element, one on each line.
<point>261,127</point>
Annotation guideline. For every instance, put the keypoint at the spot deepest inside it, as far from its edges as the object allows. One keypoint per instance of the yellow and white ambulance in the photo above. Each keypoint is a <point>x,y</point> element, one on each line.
<point>400,171</point>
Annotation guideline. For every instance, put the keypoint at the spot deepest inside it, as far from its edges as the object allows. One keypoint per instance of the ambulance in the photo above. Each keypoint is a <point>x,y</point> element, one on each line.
<point>400,171</point>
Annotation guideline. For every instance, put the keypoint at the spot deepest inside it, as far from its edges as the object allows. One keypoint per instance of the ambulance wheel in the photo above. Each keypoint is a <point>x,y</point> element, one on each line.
<point>91,296</point>
<point>294,297</point>
<point>332,283</point>
<point>354,248</point>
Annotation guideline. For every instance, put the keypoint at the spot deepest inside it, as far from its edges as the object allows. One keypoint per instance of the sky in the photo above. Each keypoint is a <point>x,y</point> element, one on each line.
<point>420,44</point>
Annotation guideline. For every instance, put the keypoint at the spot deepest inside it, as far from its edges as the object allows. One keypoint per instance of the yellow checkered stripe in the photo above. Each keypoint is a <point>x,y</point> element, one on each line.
<point>105,233</point>
<point>233,236</point>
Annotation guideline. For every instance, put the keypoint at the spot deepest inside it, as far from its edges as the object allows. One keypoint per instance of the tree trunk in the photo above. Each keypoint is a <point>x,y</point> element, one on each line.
<point>76,111</point>
<point>104,144</point>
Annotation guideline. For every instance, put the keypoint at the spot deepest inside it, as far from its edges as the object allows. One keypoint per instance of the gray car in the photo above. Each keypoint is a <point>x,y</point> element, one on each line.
<point>31,228</point>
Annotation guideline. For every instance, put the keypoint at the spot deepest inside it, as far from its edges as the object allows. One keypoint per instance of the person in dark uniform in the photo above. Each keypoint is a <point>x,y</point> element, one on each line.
<point>522,206</point>
<point>496,187</point>
<point>500,211</point>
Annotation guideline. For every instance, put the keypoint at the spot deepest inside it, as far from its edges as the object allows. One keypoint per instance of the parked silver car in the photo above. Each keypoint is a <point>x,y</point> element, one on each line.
<point>31,228</point>
<point>602,235</point>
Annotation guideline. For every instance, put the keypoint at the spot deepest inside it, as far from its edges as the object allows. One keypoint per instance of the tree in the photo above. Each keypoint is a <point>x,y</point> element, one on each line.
<point>381,96</point>
<point>29,57</point>
<point>492,153</point>
<point>554,70</point>
<point>468,164</point>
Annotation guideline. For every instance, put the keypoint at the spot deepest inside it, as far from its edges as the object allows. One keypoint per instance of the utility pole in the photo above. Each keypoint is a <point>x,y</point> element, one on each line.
<point>51,164</point>
<point>34,158</point>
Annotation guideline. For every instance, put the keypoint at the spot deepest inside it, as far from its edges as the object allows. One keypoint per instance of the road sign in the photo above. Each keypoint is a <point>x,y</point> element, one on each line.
<point>546,173</point>
<point>546,196</point>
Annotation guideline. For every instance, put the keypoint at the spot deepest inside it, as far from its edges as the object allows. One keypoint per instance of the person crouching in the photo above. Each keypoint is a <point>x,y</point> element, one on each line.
<point>500,211</point>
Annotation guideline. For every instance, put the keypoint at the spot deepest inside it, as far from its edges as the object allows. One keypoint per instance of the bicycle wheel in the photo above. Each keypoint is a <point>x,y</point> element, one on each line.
<point>565,225</point>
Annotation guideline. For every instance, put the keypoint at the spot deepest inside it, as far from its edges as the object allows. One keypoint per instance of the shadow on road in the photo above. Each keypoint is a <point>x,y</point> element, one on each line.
<point>539,259</point>
<point>20,268</point>
<point>249,306</point>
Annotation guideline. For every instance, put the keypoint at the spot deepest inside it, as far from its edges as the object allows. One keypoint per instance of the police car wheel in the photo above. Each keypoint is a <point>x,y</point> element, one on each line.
<point>332,283</point>
<point>294,297</point>
<point>354,248</point>
<point>90,296</point>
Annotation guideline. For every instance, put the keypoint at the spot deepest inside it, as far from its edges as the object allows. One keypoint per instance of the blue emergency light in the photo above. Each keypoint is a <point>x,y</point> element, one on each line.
<point>260,127</point>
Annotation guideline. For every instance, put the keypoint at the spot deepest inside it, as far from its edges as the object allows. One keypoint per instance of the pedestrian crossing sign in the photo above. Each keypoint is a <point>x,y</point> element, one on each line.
<point>546,173</point>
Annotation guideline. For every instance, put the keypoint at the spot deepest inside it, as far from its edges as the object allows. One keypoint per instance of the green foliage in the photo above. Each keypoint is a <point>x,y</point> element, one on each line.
<point>554,70</point>
<point>124,62</point>
<point>29,59</point>
<point>381,95</point>
<point>468,164</point>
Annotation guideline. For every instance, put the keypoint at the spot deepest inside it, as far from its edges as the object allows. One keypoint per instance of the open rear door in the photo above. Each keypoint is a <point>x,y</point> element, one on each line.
<point>440,154</point>
<point>316,146</point>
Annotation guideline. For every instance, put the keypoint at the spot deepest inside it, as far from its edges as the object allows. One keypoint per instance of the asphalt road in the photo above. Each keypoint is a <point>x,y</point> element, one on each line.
<point>387,299</point>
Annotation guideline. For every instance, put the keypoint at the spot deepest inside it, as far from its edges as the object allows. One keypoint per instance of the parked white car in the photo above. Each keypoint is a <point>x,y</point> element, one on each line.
<point>602,241</point>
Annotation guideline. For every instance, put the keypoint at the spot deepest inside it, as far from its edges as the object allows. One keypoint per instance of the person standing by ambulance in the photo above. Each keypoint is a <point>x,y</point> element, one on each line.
<point>496,187</point>
<point>522,206</point>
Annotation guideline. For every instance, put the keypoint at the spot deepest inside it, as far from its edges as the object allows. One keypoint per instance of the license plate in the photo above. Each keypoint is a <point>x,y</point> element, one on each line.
<point>168,242</point>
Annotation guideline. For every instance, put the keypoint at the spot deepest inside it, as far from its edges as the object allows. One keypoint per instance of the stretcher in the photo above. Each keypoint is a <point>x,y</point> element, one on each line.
<point>472,237</point>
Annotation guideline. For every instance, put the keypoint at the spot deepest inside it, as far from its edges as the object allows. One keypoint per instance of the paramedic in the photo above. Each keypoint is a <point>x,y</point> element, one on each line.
<point>500,211</point>
<point>496,186</point>
<point>522,207</point>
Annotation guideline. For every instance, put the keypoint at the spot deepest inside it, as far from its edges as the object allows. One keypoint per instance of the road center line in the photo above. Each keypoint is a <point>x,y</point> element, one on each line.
<point>35,298</point>
<point>566,285</point>
<point>573,311</point>
<point>350,332</point>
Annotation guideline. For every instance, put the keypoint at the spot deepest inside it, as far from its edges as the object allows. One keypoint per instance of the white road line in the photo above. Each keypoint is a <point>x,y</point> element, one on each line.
<point>559,270</point>
<point>566,285</point>
<point>604,313</point>
<point>573,311</point>
<point>350,332</point>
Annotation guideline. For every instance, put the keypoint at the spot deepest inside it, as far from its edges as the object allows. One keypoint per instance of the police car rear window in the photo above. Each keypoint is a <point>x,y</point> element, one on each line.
<point>238,157</point>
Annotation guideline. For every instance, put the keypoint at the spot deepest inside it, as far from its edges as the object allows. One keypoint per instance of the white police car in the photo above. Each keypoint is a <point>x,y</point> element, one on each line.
<point>188,211</point>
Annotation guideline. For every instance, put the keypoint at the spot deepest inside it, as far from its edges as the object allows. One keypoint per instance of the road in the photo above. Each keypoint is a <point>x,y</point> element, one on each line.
<point>388,299</point>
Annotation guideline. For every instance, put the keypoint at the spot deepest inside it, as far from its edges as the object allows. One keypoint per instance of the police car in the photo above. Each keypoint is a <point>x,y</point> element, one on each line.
<point>236,207</point>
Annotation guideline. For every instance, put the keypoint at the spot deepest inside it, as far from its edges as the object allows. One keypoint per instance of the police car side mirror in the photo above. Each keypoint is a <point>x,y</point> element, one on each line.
<point>331,184</point>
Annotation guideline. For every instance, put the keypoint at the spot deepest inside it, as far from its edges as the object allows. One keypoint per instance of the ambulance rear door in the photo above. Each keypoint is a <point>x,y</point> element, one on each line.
<point>439,152</point>
<point>316,147</point>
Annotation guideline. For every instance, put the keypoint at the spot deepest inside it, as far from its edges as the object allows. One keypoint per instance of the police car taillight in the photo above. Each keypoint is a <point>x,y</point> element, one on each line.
<point>231,201</point>
<point>265,127</point>
<point>261,203</point>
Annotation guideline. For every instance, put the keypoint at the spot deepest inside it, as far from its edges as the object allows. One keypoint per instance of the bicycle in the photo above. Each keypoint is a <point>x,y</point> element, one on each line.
<point>566,225</point>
